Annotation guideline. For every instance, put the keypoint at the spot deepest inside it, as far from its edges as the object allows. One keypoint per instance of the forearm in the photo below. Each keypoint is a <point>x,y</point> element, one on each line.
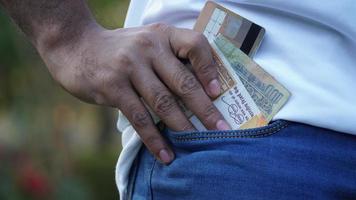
<point>50,23</point>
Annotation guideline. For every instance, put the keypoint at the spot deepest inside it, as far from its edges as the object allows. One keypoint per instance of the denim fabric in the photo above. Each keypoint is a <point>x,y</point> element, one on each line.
<point>284,160</point>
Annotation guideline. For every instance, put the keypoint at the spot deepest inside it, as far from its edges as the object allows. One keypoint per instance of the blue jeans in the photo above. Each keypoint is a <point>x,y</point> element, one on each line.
<point>284,160</point>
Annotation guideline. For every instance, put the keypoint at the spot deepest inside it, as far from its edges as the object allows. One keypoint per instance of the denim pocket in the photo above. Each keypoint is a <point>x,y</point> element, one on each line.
<point>213,164</point>
<point>284,160</point>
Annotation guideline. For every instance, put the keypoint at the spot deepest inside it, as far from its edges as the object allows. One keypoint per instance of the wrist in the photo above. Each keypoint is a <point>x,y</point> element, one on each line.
<point>62,54</point>
<point>56,37</point>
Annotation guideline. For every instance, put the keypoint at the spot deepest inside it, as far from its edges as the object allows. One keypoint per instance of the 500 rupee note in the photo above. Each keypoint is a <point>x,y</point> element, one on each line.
<point>267,92</point>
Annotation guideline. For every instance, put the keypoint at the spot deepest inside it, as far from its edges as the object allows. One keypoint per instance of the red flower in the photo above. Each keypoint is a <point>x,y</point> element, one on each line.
<point>33,182</point>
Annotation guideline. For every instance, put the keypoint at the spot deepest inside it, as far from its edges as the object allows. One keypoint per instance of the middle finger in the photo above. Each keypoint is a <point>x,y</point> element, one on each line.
<point>160,99</point>
<point>184,84</point>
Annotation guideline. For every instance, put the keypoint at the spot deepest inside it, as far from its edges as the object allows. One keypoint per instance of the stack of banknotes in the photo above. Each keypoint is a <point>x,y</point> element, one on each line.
<point>250,96</point>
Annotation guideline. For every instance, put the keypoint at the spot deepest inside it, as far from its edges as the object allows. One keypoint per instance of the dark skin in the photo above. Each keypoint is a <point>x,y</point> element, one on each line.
<point>117,67</point>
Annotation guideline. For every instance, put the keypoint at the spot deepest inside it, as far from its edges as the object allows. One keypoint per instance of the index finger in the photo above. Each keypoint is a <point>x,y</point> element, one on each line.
<point>195,47</point>
<point>139,117</point>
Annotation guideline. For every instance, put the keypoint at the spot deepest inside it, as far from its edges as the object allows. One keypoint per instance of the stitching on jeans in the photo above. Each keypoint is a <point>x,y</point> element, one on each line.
<point>132,180</point>
<point>227,135</point>
<point>150,178</point>
<point>240,132</point>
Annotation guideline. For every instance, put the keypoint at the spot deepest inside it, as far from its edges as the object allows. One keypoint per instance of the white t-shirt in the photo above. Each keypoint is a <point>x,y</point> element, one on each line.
<point>309,47</point>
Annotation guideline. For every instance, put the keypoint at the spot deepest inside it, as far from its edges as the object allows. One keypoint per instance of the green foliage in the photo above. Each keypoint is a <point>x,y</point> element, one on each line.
<point>115,12</point>
<point>71,144</point>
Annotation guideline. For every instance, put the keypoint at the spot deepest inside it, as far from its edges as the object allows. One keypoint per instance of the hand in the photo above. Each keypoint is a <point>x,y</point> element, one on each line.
<point>117,67</point>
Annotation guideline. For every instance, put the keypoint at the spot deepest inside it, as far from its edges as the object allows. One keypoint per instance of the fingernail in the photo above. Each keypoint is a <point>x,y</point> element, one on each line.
<point>214,87</point>
<point>222,125</point>
<point>164,156</point>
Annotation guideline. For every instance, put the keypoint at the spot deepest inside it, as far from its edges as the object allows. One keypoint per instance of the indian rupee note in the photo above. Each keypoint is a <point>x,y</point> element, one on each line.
<point>267,92</point>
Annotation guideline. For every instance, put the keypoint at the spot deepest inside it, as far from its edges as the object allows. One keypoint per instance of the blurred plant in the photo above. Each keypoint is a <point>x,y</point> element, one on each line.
<point>52,146</point>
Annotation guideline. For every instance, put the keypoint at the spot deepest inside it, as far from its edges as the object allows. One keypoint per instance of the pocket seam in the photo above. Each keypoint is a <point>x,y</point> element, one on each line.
<point>150,178</point>
<point>228,135</point>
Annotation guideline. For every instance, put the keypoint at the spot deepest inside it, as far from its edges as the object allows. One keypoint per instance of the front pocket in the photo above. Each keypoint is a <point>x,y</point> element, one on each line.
<point>216,164</point>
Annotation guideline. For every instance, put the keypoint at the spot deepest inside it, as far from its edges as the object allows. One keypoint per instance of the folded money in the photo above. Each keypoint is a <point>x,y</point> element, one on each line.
<point>233,39</point>
<point>267,93</point>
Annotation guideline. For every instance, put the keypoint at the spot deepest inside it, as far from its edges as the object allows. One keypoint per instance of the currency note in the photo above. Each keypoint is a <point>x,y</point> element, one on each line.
<point>237,108</point>
<point>268,93</point>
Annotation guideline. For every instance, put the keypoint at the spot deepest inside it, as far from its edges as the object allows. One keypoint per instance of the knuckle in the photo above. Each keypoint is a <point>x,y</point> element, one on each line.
<point>113,91</point>
<point>151,141</point>
<point>210,112</point>
<point>197,43</point>
<point>140,119</point>
<point>210,115</point>
<point>198,39</point>
<point>163,103</point>
<point>99,98</point>
<point>144,39</point>
<point>123,59</point>
<point>207,70</point>
<point>109,86</point>
<point>161,27</point>
<point>185,82</point>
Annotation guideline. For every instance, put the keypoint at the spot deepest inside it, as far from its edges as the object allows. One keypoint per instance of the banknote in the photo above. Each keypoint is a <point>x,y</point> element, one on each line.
<point>235,104</point>
<point>237,108</point>
<point>244,34</point>
<point>267,92</point>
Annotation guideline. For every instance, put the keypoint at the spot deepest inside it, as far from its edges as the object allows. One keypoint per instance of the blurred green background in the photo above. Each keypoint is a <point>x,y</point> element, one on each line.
<point>52,146</point>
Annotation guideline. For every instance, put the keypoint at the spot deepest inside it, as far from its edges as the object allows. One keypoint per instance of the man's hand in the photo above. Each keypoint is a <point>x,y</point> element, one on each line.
<point>118,67</point>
